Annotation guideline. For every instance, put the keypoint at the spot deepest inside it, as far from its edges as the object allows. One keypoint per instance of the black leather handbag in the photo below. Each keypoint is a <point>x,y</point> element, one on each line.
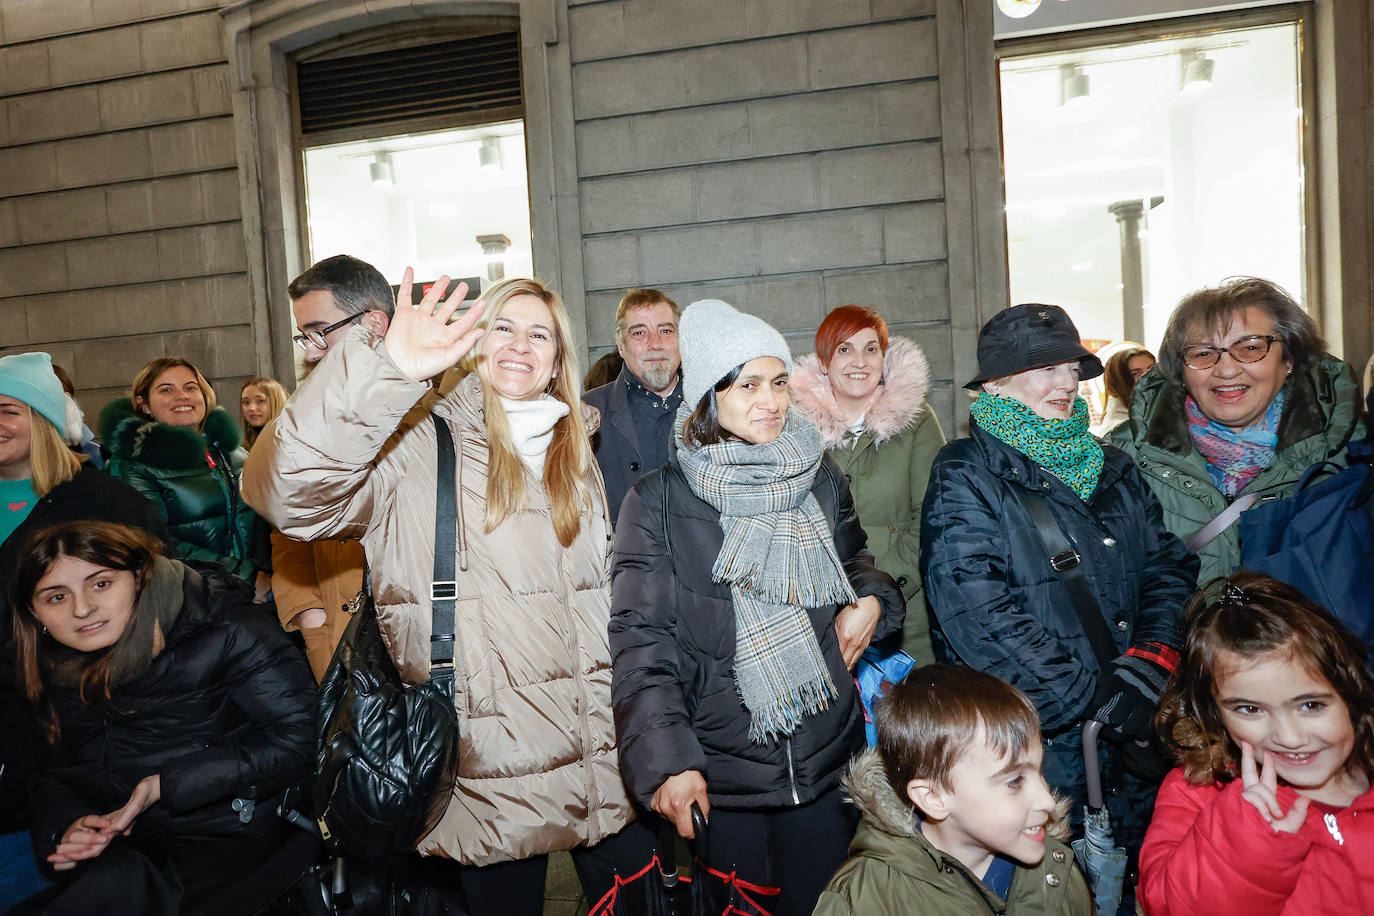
<point>388,751</point>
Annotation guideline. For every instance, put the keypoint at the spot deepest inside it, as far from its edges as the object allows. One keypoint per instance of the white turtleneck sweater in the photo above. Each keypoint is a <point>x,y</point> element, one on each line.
<point>531,427</point>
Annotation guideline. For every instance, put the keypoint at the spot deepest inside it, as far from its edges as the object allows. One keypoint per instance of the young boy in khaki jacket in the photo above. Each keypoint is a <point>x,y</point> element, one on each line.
<point>956,816</point>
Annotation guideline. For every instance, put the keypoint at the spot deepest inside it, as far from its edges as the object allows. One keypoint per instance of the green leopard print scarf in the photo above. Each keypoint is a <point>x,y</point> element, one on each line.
<point>1065,448</point>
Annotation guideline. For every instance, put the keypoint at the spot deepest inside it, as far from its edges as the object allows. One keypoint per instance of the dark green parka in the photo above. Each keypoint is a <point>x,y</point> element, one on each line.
<point>193,479</point>
<point>1320,416</point>
<point>888,468</point>
<point>894,871</point>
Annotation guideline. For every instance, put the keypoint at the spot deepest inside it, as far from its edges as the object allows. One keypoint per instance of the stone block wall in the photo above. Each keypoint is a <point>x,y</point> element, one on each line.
<point>783,155</point>
<point>120,232</point>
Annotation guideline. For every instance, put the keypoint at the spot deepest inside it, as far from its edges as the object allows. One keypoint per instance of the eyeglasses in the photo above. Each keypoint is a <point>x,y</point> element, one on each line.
<point>317,337</point>
<point>1245,350</point>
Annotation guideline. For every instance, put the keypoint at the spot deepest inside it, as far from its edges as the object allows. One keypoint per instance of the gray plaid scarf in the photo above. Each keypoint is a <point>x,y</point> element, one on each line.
<point>779,558</point>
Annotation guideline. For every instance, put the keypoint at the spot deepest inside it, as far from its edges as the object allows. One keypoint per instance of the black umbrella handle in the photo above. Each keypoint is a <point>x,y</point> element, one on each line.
<point>667,845</point>
<point>667,852</point>
<point>1092,768</point>
<point>701,845</point>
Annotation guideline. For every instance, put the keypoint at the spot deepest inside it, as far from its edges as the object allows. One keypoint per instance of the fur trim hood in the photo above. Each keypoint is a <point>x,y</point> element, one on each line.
<point>901,398</point>
<point>130,436</point>
<point>867,787</point>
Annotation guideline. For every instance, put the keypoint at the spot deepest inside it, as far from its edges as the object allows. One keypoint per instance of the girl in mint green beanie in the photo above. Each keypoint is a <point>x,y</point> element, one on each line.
<point>36,417</point>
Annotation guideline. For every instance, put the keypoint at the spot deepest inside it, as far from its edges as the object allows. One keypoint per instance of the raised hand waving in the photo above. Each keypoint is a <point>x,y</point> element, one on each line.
<point>420,339</point>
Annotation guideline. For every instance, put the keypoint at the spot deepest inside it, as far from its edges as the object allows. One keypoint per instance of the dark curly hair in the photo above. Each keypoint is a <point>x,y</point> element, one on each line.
<point>1251,614</point>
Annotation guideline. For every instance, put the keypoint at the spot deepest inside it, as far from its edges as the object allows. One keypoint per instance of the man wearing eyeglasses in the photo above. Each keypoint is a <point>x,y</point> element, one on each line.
<point>331,297</point>
<point>311,582</point>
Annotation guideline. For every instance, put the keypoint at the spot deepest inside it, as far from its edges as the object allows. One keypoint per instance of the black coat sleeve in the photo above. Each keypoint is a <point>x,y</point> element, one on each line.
<point>1169,576</point>
<point>268,679</point>
<point>851,543</point>
<point>653,727</point>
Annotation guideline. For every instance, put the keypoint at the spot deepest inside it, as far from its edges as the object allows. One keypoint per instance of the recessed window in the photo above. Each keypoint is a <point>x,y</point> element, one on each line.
<point>1138,172</point>
<point>452,202</point>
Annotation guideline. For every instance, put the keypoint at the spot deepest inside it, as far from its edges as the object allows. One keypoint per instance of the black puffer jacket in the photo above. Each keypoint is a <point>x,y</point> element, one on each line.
<point>226,710</point>
<point>997,604</point>
<point>209,521</point>
<point>91,495</point>
<point>673,651</point>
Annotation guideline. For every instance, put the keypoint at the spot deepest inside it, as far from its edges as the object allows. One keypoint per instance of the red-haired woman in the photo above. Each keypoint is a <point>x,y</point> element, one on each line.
<point>867,393</point>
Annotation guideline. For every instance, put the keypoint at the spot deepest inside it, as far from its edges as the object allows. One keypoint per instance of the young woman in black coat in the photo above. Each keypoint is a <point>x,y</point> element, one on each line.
<point>174,712</point>
<point>742,595</point>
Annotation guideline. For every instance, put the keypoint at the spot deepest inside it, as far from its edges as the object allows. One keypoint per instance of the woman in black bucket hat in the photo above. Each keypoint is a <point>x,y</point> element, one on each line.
<point>1046,560</point>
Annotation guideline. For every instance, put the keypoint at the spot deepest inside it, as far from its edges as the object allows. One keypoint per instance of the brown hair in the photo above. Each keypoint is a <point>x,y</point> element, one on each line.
<point>276,400</point>
<point>702,426</point>
<point>843,323</point>
<point>1250,614</point>
<point>51,462</point>
<point>927,722</point>
<point>143,384</point>
<point>1116,373</point>
<point>101,543</point>
<point>638,299</point>
<point>570,453</point>
<point>1206,309</point>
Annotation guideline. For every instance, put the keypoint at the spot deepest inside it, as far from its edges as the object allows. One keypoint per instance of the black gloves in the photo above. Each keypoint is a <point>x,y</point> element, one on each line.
<point>1129,695</point>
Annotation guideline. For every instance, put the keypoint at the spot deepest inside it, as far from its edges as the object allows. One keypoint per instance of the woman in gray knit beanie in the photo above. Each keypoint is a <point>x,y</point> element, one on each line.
<point>743,592</point>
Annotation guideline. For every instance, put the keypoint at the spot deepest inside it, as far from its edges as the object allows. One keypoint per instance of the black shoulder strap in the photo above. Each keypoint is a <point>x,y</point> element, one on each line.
<point>444,590</point>
<point>1067,564</point>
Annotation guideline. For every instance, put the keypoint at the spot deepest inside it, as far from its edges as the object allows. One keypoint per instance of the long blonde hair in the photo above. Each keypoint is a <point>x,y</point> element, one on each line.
<point>276,400</point>
<point>570,453</point>
<point>51,463</point>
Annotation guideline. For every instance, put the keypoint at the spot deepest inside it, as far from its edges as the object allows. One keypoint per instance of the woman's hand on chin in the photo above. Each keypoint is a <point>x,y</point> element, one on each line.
<point>420,340</point>
<point>854,628</point>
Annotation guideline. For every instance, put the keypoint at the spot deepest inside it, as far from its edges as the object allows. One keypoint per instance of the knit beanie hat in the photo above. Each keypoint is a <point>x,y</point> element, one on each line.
<point>714,338</point>
<point>28,377</point>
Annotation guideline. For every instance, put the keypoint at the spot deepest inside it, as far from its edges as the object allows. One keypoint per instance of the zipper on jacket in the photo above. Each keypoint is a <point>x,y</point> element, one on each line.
<point>230,503</point>
<point>791,771</point>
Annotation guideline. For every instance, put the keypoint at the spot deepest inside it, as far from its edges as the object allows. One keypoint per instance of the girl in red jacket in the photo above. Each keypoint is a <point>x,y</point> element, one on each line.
<point>1271,719</point>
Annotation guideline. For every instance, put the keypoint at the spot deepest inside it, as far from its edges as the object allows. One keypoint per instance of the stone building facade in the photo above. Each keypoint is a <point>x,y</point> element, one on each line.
<point>785,155</point>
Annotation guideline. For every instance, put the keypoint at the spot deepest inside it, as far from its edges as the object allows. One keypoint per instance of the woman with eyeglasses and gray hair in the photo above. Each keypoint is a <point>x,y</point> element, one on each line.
<point>1245,399</point>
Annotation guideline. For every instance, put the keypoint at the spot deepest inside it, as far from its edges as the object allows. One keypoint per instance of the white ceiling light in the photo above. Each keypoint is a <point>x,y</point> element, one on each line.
<point>380,169</point>
<point>1074,85</point>
<point>1195,71</point>
<point>489,153</point>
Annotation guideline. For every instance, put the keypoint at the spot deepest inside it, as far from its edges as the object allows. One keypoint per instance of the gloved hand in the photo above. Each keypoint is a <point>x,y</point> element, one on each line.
<point>1129,695</point>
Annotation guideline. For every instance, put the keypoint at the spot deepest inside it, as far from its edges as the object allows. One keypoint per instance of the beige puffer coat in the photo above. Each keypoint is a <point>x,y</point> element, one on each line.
<point>538,766</point>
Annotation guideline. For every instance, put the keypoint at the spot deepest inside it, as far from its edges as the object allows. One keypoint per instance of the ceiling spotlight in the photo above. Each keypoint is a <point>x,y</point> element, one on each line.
<point>489,153</point>
<point>1195,71</point>
<point>381,172</point>
<point>1073,85</point>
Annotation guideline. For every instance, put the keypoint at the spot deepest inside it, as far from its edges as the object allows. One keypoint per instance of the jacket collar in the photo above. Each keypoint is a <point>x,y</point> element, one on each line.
<point>1015,468</point>
<point>460,399</point>
<point>132,436</point>
<point>1315,398</point>
<point>901,398</point>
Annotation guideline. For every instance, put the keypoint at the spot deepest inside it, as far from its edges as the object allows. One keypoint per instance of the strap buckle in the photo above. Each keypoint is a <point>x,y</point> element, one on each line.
<point>443,591</point>
<point>1066,560</point>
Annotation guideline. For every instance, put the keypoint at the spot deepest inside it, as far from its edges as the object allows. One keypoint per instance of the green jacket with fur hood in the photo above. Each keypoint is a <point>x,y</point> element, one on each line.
<point>888,468</point>
<point>1320,416</point>
<point>207,517</point>
<point>892,870</point>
